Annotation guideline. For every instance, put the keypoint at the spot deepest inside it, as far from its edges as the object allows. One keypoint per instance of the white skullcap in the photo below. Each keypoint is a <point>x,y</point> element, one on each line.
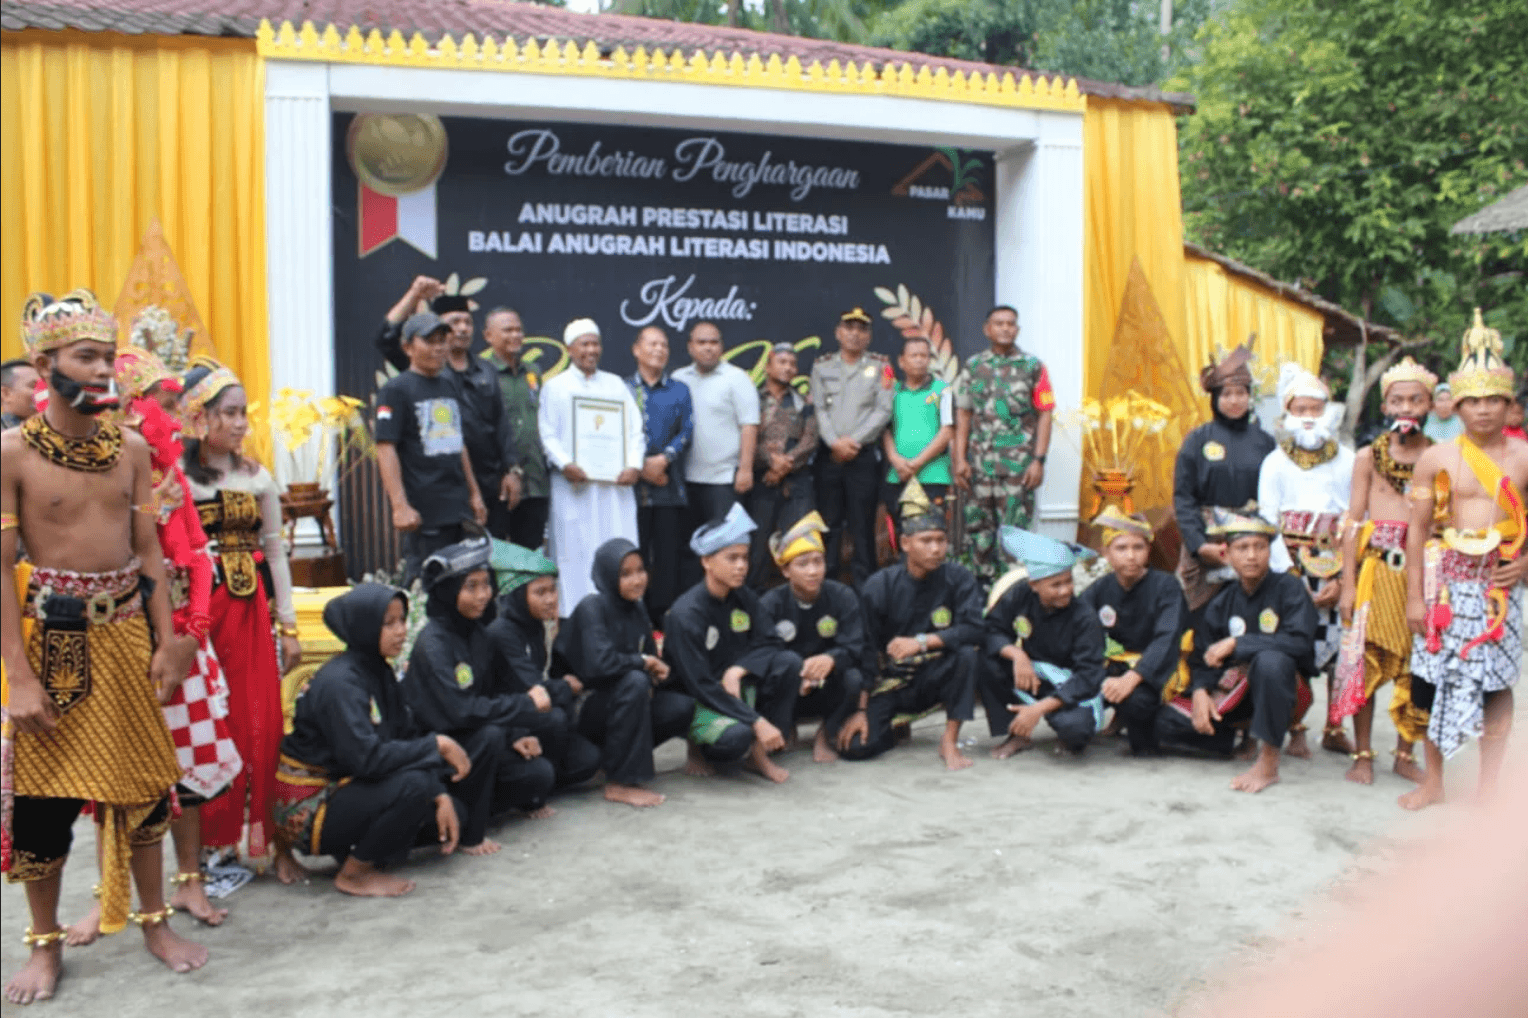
<point>1295,381</point>
<point>579,327</point>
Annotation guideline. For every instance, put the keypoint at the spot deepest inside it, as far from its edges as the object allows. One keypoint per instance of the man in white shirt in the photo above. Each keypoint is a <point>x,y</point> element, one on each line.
<point>585,512</point>
<point>719,467</point>
<point>1303,489</point>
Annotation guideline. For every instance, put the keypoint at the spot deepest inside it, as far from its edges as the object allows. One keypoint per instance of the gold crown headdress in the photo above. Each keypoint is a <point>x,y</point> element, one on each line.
<point>48,324</point>
<point>139,370</point>
<point>1482,372</point>
<point>1407,370</point>
<point>203,391</point>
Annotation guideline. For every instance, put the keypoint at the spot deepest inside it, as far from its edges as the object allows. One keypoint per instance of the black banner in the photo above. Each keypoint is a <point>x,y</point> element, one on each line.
<point>770,237</point>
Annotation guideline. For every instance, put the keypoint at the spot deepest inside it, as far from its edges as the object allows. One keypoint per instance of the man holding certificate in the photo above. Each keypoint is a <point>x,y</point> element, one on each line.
<point>592,433</point>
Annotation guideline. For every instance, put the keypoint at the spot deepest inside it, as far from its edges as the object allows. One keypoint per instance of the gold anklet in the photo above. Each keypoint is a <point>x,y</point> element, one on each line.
<point>181,879</point>
<point>1298,726</point>
<point>151,918</point>
<point>1405,755</point>
<point>31,939</point>
<point>1363,754</point>
<point>1334,730</point>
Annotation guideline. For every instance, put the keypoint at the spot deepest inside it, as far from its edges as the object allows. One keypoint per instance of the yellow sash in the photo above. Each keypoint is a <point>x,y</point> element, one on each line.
<point>1500,487</point>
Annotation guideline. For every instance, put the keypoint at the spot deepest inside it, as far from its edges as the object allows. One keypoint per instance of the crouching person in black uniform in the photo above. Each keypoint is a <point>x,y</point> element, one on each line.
<point>359,779</point>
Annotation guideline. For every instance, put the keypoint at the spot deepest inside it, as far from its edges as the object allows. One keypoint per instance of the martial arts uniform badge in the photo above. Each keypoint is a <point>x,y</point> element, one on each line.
<point>1022,627</point>
<point>1108,616</point>
<point>463,675</point>
<point>940,617</point>
<point>1214,452</point>
<point>712,637</point>
<point>376,713</point>
<point>786,630</point>
<point>740,621</point>
<point>1237,626</point>
<point>827,627</point>
<point>1268,620</point>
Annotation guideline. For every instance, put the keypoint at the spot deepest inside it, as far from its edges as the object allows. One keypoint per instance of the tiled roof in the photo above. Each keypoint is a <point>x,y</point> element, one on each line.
<point>434,18</point>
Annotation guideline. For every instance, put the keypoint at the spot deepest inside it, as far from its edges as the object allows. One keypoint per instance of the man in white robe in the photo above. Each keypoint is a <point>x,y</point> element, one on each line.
<point>586,513</point>
<point>1303,489</point>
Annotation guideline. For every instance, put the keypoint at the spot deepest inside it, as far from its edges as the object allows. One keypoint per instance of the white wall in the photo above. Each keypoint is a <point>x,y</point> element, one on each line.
<point>1038,196</point>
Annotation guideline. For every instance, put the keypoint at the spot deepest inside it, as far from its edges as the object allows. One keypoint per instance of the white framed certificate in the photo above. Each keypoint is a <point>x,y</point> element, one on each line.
<point>599,437</point>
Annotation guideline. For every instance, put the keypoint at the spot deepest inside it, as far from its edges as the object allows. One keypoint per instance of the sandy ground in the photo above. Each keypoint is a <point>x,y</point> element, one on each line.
<point>1039,886</point>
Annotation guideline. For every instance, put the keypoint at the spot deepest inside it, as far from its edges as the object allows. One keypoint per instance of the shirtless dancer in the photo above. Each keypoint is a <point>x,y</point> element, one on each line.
<point>1376,645</point>
<point>1462,598</point>
<point>83,672</point>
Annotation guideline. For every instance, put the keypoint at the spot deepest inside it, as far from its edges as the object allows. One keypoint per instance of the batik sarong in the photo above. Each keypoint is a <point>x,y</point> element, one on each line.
<point>1377,647</point>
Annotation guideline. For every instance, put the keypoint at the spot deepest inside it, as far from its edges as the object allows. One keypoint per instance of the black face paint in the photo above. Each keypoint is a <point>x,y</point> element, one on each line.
<point>82,398</point>
<point>1403,426</point>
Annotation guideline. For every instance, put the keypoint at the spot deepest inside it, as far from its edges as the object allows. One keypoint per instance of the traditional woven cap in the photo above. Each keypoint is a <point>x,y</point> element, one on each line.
<point>514,566</point>
<point>1295,382</point>
<point>48,324</point>
<point>1407,370</point>
<point>1231,525</point>
<point>577,328</point>
<point>805,535</point>
<point>1114,522</point>
<point>855,314</point>
<point>731,529</point>
<point>1482,372</point>
<point>456,560</point>
<point>918,512</point>
<point>1233,369</point>
<point>1041,556</point>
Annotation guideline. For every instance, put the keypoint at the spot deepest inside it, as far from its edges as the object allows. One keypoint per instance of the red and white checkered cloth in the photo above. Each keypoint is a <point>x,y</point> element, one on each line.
<point>198,720</point>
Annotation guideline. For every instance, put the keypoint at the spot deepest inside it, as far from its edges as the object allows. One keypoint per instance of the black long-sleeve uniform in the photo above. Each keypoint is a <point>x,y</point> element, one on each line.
<point>1275,631</point>
<point>352,721</point>
<point>1149,620</point>
<point>459,682</point>
<point>834,625</point>
<point>703,636</point>
<point>1068,637</point>
<point>946,603</point>
<point>604,642</point>
<point>1217,465</point>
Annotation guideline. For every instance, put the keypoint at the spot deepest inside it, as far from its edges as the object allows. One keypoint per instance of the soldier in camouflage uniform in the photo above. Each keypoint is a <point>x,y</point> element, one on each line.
<point>1003,406</point>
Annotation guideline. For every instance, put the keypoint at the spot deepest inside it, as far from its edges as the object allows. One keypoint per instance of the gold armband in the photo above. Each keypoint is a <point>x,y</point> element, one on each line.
<point>287,629</point>
<point>9,521</point>
<point>1420,495</point>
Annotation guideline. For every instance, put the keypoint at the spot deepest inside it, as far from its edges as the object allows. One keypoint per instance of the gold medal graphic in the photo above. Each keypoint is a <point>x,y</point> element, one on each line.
<point>396,153</point>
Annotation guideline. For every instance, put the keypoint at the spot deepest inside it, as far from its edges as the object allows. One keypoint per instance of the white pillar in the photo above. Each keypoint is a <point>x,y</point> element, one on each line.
<point>1039,272</point>
<point>299,264</point>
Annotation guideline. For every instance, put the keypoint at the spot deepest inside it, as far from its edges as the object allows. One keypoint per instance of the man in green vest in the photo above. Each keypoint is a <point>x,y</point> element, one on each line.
<point>519,385</point>
<point>922,427</point>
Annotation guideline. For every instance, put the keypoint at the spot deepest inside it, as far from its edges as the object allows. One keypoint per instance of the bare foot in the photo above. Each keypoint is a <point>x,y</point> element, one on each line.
<point>822,749</point>
<point>632,795</point>
<point>485,847</point>
<point>767,768</point>
<point>1337,742</point>
<point>1430,794</point>
<point>1299,746</point>
<point>1362,771</point>
<point>190,897</point>
<point>1257,777</point>
<point>38,978</point>
<point>1011,746</point>
<point>542,812</point>
<point>88,930</point>
<point>373,883</point>
<point>1406,767</point>
<point>288,871</point>
<point>696,765</point>
<point>178,953</point>
<point>954,759</point>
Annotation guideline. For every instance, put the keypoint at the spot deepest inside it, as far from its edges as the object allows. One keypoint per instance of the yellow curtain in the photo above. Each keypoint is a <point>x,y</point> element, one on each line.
<point>100,134</point>
<point>1225,309</point>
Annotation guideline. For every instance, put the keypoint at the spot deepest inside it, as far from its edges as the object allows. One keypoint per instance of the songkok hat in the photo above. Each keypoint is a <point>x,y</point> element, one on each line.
<point>1233,369</point>
<point>425,323</point>
<point>579,327</point>
<point>449,302</point>
<point>1408,370</point>
<point>138,371</point>
<point>456,560</point>
<point>918,513</point>
<point>805,535</point>
<point>48,324</point>
<point>1114,522</point>
<point>855,314</point>
<point>731,529</point>
<point>513,566</point>
<point>1042,556</point>
<point>1229,525</point>
<point>1482,372</point>
<point>783,347</point>
<point>1295,382</point>
<point>206,380</point>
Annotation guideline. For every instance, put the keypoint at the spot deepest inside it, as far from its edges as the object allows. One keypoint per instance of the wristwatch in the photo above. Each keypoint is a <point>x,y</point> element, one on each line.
<point>922,639</point>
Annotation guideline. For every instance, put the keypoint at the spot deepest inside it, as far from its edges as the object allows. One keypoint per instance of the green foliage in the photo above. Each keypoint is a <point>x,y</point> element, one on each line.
<point>1335,144</point>
<point>991,31</point>
<point>1119,40</point>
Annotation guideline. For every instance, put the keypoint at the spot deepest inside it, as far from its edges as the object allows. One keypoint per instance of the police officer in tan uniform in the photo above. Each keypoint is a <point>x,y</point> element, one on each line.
<point>853,391</point>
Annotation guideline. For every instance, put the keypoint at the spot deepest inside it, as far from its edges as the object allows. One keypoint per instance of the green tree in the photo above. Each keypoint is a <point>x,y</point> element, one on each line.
<point>1335,144</point>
